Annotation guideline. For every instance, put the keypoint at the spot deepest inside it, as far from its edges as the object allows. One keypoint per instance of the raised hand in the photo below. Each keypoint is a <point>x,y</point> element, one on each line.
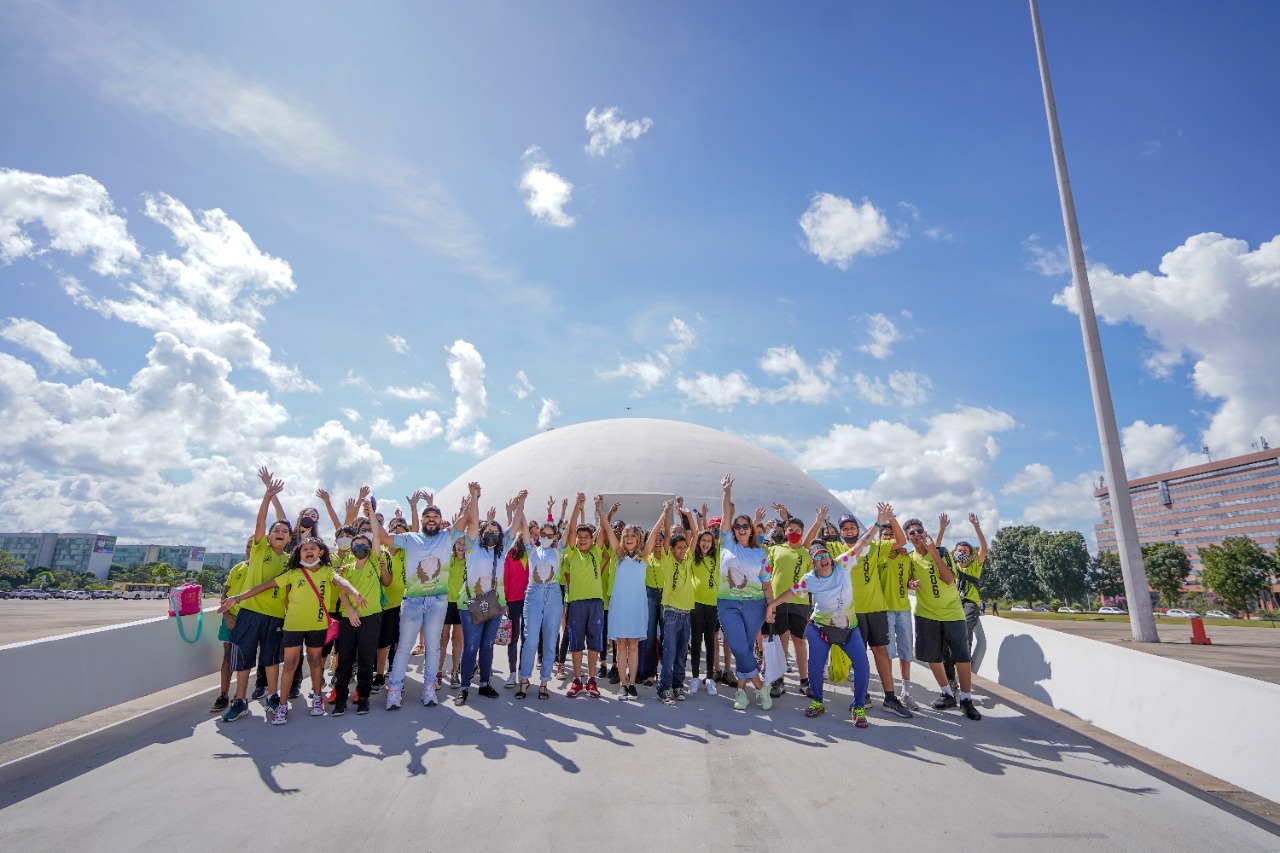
<point>364,493</point>
<point>274,487</point>
<point>473,489</point>
<point>884,512</point>
<point>265,476</point>
<point>943,521</point>
<point>760,515</point>
<point>726,483</point>
<point>322,495</point>
<point>491,514</point>
<point>823,512</point>
<point>973,519</point>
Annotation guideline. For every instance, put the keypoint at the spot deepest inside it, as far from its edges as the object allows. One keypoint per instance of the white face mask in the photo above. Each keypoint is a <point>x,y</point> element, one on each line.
<point>310,564</point>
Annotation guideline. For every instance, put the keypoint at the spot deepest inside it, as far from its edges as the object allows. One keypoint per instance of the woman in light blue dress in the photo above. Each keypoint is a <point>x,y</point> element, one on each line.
<point>629,606</point>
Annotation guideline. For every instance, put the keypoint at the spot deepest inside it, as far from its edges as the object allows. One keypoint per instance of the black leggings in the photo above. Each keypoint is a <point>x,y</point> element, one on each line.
<point>704,620</point>
<point>358,647</point>
<point>515,612</point>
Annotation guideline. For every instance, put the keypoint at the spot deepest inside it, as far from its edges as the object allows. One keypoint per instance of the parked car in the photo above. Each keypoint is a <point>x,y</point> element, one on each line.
<point>1068,610</point>
<point>1219,614</point>
<point>79,595</point>
<point>1020,609</point>
<point>1179,613</point>
<point>1040,608</point>
<point>32,594</point>
<point>99,594</point>
<point>1114,611</point>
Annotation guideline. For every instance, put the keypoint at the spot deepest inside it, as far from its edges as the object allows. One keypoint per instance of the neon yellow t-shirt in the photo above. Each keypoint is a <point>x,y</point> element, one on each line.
<point>457,577</point>
<point>935,599</point>
<point>653,571</point>
<point>368,582</point>
<point>868,588</point>
<point>264,565</point>
<point>306,612</point>
<point>394,591</point>
<point>677,581</point>
<point>235,583</point>
<point>583,569</point>
<point>974,569</point>
<point>706,578</point>
<point>606,577</point>
<point>789,566</point>
<point>894,573</point>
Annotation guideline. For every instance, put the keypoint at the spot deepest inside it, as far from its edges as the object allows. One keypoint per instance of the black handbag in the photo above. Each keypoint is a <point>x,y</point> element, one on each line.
<point>486,606</point>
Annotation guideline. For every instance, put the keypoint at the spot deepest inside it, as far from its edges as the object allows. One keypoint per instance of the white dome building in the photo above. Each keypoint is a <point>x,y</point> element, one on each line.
<point>640,462</point>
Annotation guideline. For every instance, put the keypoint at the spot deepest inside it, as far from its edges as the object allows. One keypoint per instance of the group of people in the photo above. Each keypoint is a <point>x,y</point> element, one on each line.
<point>566,593</point>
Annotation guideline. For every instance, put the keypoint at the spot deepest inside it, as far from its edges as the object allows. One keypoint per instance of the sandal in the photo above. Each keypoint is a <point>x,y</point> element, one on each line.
<point>523,691</point>
<point>543,692</point>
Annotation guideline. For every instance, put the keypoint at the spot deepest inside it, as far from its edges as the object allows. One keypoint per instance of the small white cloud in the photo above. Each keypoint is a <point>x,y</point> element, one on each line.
<point>872,389</point>
<point>471,400</point>
<point>722,392</point>
<point>418,429</point>
<point>398,344</point>
<point>548,411</point>
<point>548,193</point>
<point>1032,479</point>
<point>75,213</point>
<point>809,384</point>
<point>837,230</point>
<point>426,392</point>
<point>523,387</point>
<point>912,388</point>
<point>650,370</point>
<point>608,129</point>
<point>1153,448</point>
<point>1048,262</point>
<point>45,343</point>
<point>882,334</point>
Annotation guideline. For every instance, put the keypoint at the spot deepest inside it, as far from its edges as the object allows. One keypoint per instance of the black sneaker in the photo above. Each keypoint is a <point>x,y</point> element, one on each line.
<point>237,709</point>
<point>362,707</point>
<point>631,689</point>
<point>379,682</point>
<point>258,693</point>
<point>776,689</point>
<point>667,697</point>
<point>272,702</point>
<point>339,707</point>
<point>295,692</point>
<point>614,677</point>
<point>969,710</point>
<point>681,694</point>
<point>603,672</point>
<point>461,698</point>
<point>944,702</point>
<point>487,691</point>
<point>805,688</point>
<point>894,706</point>
<point>220,704</point>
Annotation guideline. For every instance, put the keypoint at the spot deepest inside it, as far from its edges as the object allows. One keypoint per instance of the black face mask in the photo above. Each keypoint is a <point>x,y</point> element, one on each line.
<point>490,540</point>
<point>307,522</point>
<point>848,540</point>
<point>360,550</point>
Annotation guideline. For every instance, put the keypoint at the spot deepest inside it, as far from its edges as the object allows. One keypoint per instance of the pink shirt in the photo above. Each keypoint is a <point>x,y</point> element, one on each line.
<point>515,577</point>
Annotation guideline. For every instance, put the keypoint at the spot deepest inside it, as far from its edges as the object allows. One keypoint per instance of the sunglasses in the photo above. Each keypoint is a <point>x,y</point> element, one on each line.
<point>742,527</point>
<point>913,531</point>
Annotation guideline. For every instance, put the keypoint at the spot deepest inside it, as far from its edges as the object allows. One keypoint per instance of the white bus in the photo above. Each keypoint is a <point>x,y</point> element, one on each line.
<point>137,591</point>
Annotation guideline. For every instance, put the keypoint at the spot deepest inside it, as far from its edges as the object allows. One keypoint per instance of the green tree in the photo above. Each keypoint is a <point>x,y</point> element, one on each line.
<point>42,578</point>
<point>1062,563</point>
<point>162,573</point>
<point>1010,569</point>
<point>13,572</point>
<point>1106,576</point>
<point>1238,571</point>
<point>1167,566</point>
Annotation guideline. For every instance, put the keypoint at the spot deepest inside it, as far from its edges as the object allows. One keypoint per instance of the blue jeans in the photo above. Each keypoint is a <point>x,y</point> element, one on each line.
<point>477,640</point>
<point>543,607</point>
<point>649,645</point>
<point>741,622</point>
<point>426,614</point>
<point>676,630</point>
<point>820,650</point>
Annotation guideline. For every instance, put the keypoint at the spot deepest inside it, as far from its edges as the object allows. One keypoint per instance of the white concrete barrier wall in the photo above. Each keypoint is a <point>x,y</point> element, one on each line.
<point>1217,722</point>
<point>77,674</point>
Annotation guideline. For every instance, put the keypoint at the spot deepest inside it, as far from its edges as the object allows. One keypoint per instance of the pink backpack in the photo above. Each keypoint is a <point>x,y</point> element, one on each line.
<point>186,600</point>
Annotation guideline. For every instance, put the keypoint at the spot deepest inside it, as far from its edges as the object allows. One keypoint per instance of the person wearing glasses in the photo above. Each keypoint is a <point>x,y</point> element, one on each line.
<point>743,594</point>
<point>939,619</point>
<point>834,623</point>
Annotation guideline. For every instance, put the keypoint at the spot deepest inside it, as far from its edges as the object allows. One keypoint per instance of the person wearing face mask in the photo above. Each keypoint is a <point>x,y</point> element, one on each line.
<point>834,623</point>
<point>790,562</point>
<point>676,571</point>
<point>744,591</point>
<point>360,627</point>
<point>486,545</point>
<point>895,566</point>
<point>543,599</point>
<point>968,569</point>
<point>310,587</point>
<point>393,594</point>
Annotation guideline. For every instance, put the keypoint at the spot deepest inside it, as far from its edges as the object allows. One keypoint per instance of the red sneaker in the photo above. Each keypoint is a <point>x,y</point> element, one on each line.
<point>592,690</point>
<point>575,688</point>
<point>333,695</point>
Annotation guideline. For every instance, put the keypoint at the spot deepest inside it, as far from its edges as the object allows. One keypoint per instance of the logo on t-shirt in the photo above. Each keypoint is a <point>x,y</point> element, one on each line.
<point>428,569</point>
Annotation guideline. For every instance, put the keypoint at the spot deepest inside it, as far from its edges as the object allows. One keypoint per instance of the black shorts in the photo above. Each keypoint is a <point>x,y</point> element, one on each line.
<point>932,635</point>
<point>789,617</point>
<point>584,624</point>
<point>389,633</point>
<point>874,628</point>
<point>293,639</point>
<point>451,614</point>
<point>255,639</point>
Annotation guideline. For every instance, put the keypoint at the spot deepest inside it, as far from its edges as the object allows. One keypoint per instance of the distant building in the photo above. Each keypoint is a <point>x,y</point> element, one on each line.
<point>1203,505</point>
<point>76,552</point>
<point>185,559</point>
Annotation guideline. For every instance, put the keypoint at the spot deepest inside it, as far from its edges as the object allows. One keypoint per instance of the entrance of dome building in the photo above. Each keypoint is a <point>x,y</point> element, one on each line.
<point>640,509</point>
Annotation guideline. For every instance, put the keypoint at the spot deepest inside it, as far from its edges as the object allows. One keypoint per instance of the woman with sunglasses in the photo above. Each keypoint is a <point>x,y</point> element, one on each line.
<point>705,621</point>
<point>834,623</point>
<point>742,595</point>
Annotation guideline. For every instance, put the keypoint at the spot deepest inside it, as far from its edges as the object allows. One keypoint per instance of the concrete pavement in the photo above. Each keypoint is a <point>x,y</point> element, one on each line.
<point>583,774</point>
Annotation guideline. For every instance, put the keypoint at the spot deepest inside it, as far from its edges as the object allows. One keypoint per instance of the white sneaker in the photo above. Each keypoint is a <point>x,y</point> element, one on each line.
<point>711,687</point>
<point>693,685</point>
<point>740,700</point>
<point>511,680</point>
<point>429,697</point>
<point>766,700</point>
<point>911,704</point>
<point>281,715</point>
<point>317,705</point>
<point>394,695</point>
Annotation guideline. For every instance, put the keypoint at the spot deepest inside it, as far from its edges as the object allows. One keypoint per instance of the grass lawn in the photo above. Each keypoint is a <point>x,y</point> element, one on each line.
<point>1160,620</point>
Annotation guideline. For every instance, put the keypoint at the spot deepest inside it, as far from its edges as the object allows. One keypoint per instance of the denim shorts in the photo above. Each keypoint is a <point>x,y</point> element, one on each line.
<point>900,626</point>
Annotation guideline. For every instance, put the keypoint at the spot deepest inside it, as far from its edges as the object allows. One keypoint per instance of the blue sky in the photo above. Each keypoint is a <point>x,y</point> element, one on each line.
<point>373,246</point>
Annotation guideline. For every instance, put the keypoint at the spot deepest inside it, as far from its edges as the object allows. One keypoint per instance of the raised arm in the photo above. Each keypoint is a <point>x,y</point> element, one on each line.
<point>943,521</point>
<point>982,537</point>
<point>328,505</point>
<point>604,536</point>
<point>575,517</point>
<point>726,505</point>
<point>940,564</point>
<point>899,537</point>
<point>413,509</point>
<point>520,523</point>
<point>274,488</point>
<point>819,519</point>
<point>651,541</point>
<point>471,516</point>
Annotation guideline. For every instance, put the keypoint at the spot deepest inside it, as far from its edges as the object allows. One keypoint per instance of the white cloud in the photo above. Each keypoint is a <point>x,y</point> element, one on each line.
<point>1033,478</point>
<point>809,385</point>
<point>883,335</point>
<point>905,388</point>
<point>418,429</point>
<point>1215,303</point>
<point>609,129</point>
<point>1054,505</point>
<point>548,193</point>
<point>1048,262</point>
<point>922,473</point>
<point>45,343</point>
<point>1153,448</point>
<point>350,414</point>
<point>548,411</point>
<point>399,344</point>
<point>426,392</point>
<point>75,212</point>
<point>652,369</point>
<point>722,392</point>
<point>471,400</point>
<point>837,230</point>
<point>523,387</point>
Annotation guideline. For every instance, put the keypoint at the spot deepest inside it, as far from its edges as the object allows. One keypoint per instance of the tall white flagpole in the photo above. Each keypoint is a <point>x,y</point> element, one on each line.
<point>1141,618</point>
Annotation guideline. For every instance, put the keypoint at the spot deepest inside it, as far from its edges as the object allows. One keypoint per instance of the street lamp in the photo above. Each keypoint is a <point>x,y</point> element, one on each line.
<point>1141,618</point>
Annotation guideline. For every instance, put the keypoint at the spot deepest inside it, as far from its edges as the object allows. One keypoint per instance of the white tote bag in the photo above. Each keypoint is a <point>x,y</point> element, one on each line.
<point>775,659</point>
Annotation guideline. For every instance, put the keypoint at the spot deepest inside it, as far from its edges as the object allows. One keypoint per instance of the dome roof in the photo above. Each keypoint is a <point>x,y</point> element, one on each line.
<point>640,462</point>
